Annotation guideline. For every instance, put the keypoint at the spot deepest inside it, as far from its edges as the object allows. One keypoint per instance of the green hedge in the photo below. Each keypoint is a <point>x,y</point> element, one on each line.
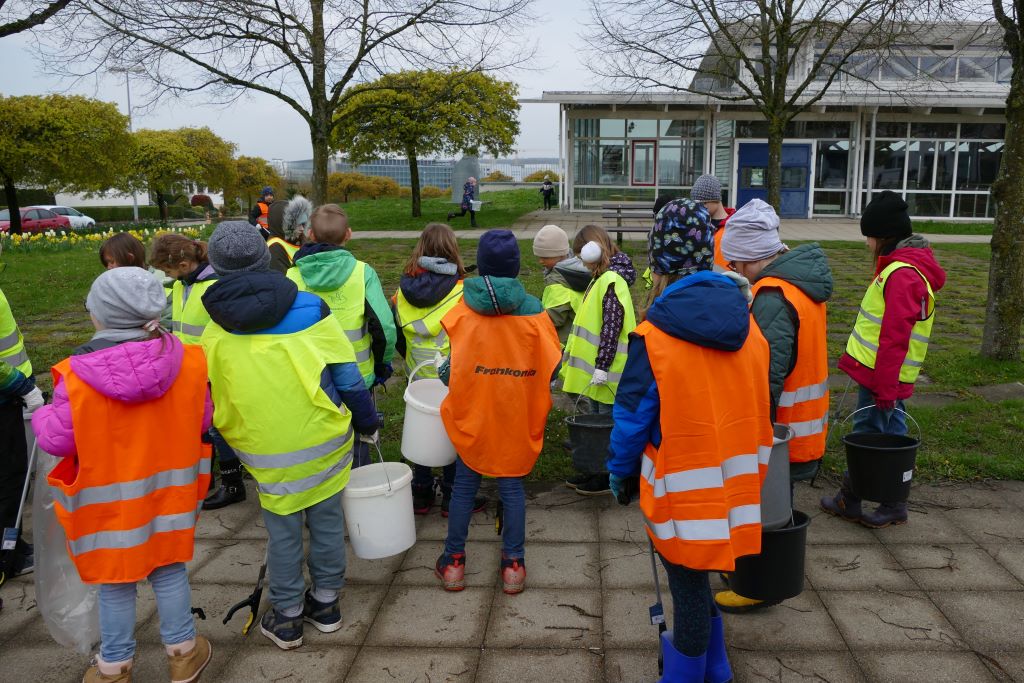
<point>113,214</point>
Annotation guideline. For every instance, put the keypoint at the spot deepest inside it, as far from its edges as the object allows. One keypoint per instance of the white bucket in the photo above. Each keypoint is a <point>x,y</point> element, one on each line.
<point>378,510</point>
<point>424,439</point>
<point>776,500</point>
<point>475,205</point>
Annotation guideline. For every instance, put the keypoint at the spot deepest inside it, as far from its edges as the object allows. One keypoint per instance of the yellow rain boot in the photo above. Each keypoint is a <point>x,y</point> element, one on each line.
<point>734,603</point>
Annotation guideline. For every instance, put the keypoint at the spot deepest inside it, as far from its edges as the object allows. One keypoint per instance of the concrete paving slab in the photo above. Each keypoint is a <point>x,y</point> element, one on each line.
<point>953,567</point>
<point>627,623</point>
<point>829,530</point>
<point>795,667</point>
<point>422,616</point>
<point>928,526</point>
<point>449,665</point>
<point>991,526</point>
<point>884,620</point>
<point>562,565</point>
<point>631,666</point>
<point>561,524</point>
<point>624,524</point>
<point>482,562</point>
<point>1000,392</point>
<point>546,617</point>
<point>230,561</point>
<point>934,667</point>
<point>242,520</point>
<point>434,527</point>
<point>50,663</point>
<point>20,609</point>
<point>798,624</point>
<point>961,496</point>
<point>988,620</point>
<point>568,665</point>
<point>309,665</point>
<point>854,567</point>
<point>628,565</point>
<point>1005,666</point>
<point>358,570</point>
<point>1009,556</point>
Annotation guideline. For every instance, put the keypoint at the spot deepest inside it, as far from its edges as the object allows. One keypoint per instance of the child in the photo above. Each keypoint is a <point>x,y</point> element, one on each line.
<point>547,190</point>
<point>468,194</point>
<point>288,393</point>
<point>707,190</point>
<point>595,351</point>
<point>565,278</point>
<point>353,291</point>
<point>431,285</point>
<point>692,420</point>
<point>504,351</point>
<point>185,260</point>
<point>129,411</point>
<point>124,249</point>
<point>887,346</point>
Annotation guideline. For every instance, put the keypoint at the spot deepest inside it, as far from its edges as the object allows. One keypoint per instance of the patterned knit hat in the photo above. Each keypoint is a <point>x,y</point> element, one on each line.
<point>682,241</point>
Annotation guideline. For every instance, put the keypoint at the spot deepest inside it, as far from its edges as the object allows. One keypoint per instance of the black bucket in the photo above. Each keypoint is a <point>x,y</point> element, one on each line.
<point>880,465</point>
<point>778,572</point>
<point>590,435</point>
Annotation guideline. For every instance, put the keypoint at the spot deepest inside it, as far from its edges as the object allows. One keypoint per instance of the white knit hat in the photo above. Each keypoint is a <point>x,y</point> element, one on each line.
<point>551,242</point>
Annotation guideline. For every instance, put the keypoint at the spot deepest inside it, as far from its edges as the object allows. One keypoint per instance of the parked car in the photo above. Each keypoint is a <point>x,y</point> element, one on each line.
<point>77,218</point>
<point>35,220</point>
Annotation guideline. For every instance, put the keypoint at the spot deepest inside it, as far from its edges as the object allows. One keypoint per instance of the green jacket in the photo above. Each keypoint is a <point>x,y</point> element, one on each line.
<point>805,267</point>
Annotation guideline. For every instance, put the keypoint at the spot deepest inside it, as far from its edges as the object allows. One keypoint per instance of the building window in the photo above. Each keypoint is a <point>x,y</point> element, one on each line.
<point>642,128</point>
<point>975,69</point>
<point>832,163</point>
<point>939,68</point>
<point>899,68</point>
<point>978,165</point>
<point>890,160</point>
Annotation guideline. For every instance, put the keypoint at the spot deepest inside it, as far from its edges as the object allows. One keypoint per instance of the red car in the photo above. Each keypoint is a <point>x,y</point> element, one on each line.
<point>35,220</point>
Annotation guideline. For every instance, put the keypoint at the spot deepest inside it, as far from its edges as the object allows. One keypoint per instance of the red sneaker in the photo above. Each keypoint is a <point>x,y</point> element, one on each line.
<point>451,571</point>
<point>513,576</point>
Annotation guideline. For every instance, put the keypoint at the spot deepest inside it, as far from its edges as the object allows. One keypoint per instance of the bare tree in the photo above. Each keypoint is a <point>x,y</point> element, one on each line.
<point>1004,312</point>
<point>305,54</point>
<point>781,56</point>
<point>16,17</point>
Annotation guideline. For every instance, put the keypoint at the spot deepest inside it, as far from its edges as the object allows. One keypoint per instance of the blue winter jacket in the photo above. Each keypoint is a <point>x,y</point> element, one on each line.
<point>705,308</point>
<point>269,303</point>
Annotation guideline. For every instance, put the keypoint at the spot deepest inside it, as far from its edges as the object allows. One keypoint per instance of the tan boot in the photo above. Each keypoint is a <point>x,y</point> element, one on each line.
<point>186,667</point>
<point>93,675</point>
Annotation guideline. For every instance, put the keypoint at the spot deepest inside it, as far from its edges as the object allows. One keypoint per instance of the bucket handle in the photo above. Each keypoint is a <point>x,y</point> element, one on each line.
<point>576,405</point>
<point>416,369</point>
<point>920,433</point>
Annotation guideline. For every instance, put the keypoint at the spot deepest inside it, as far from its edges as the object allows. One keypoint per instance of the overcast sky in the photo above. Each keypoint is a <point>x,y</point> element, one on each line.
<point>263,126</point>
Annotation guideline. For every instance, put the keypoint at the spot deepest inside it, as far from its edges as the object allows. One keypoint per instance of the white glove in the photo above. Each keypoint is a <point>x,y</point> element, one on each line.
<point>439,360</point>
<point>599,377</point>
<point>370,438</point>
<point>33,400</point>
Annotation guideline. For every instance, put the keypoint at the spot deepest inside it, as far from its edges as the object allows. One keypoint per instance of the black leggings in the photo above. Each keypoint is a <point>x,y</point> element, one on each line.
<point>692,608</point>
<point>13,460</point>
<point>462,212</point>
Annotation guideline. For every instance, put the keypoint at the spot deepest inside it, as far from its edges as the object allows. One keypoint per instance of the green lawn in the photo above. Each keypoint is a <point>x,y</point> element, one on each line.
<point>952,228</point>
<point>500,209</point>
<point>971,439</point>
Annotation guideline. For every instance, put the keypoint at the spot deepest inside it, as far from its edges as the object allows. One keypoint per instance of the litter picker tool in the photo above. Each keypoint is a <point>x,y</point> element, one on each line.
<point>10,537</point>
<point>253,601</point>
<point>657,611</point>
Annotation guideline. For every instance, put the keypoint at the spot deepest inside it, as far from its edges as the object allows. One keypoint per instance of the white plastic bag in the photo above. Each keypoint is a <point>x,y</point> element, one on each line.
<point>69,607</point>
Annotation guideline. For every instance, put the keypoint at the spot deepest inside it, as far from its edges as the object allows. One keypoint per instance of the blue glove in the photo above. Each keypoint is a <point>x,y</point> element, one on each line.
<point>382,372</point>
<point>618,486</point>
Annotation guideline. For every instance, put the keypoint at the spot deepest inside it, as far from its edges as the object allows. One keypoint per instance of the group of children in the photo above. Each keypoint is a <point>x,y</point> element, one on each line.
<point>290,362</point>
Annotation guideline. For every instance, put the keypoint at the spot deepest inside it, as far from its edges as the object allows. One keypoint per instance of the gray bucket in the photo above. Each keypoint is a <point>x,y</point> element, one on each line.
<point>776,492</point>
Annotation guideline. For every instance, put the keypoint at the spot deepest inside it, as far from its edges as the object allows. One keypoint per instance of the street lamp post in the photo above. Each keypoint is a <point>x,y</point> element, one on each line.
<point>128,88</point>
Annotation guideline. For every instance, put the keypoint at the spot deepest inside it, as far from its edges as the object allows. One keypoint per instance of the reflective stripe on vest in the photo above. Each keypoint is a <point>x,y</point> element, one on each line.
<point>424,334</point>
<point>188,314</point>
<point>132,538</point>
<point>128,490</point>
<point>584,340</point>
<point>12,343</point>
<point>348,303</point>
<point>867,330</point>
<point>804,401</point>
<point>700,487</point>
<point>298,457</point>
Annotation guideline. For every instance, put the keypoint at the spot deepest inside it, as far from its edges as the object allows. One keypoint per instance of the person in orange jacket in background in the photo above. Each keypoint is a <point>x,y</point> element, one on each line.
<point>129,410</point>
<point>700,452</point>
<point>504,352</point>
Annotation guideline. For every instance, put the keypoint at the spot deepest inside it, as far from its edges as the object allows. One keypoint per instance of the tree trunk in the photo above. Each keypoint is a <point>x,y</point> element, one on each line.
<point>12,205</point>
<point>773,174</point>
<point>161,203</point>
<point>321,155</point>
<point>319,109</point>
<point>414,182</point>
<point>1004,311</point>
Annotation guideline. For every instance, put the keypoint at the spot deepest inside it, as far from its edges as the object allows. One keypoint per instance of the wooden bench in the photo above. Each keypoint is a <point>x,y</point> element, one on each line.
<point>633,211</point>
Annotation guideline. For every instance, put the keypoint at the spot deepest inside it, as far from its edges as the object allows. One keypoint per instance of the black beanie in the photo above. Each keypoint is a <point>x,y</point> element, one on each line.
<point>886,216</point>
<point>498,254</point>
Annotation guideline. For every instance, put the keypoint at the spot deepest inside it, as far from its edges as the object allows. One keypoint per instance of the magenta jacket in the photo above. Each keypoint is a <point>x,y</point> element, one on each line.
<point>131,372</point>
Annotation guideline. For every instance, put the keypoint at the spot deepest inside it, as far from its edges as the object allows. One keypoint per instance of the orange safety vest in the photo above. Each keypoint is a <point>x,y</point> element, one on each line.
<point>720,260</point>
<point>700,489</point>
<point>264,211</point>
<point>130,499</point>
<point>499,392</point>
<point>803,404</point>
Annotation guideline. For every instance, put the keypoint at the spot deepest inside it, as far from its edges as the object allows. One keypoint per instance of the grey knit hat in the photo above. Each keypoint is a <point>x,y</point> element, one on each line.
<point>706,188</point>
<point>126,298</point>
<point>236,246</point>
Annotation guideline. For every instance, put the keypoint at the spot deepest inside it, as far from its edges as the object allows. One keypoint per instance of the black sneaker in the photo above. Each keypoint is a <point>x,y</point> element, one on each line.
<point>577,480</point>
<point>479,503</point>
<point>224,496</point>
<point>596,485</point>
<point>286,632</point>
<point>325,616</point>
<point>25,564</point>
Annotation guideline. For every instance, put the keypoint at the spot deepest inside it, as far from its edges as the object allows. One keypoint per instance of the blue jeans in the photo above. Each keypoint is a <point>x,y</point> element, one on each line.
<point>117,612</point>
<point>513,500</point>
<point>326,560</point>
<point>225,454</point>
<point>875,420</point>
<point>692,608</point>
<point>423,476</point>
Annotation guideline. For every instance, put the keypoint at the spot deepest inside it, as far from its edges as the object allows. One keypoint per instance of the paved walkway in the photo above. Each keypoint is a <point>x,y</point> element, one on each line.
<point>939,600</point>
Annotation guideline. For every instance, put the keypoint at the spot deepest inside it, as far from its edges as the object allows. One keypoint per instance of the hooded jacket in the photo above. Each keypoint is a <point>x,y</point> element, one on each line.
<point>129,372</point>
<point>569,273</point>
<point>706,309</point>
<point>904,291</point>
<point>422,290</point>
<point>805,267</point>
<point>325,267</point>
<point>269,303</point>
<point>612,314</point>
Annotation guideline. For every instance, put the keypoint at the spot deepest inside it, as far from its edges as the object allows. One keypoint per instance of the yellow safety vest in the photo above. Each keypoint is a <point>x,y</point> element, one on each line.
<point>12,343</point>
<point>424,334</point>
<point>558,295</point>
<point>585,338</point>
<point>348,303</point>
<point>289,248</point>
<point>863,342</point>
<point>188,314</point>
<point>299,455</point>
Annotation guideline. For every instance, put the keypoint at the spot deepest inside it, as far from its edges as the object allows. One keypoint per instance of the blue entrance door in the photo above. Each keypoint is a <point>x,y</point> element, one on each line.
<point>796,176</point>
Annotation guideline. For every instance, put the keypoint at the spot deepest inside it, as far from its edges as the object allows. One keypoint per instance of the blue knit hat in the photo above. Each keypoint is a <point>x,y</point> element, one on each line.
<point>498,254</point>
<point>683,239</point>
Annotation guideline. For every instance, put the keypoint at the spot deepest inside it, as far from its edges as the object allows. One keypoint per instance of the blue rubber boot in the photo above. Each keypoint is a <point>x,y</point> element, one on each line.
<point>677,667</point>
<point>717,669</point>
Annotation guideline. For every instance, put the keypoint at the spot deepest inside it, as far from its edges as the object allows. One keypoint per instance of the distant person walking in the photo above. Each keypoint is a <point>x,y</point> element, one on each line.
<point>547,190</point>
<point>260,214</point>
<point>468,194</point>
